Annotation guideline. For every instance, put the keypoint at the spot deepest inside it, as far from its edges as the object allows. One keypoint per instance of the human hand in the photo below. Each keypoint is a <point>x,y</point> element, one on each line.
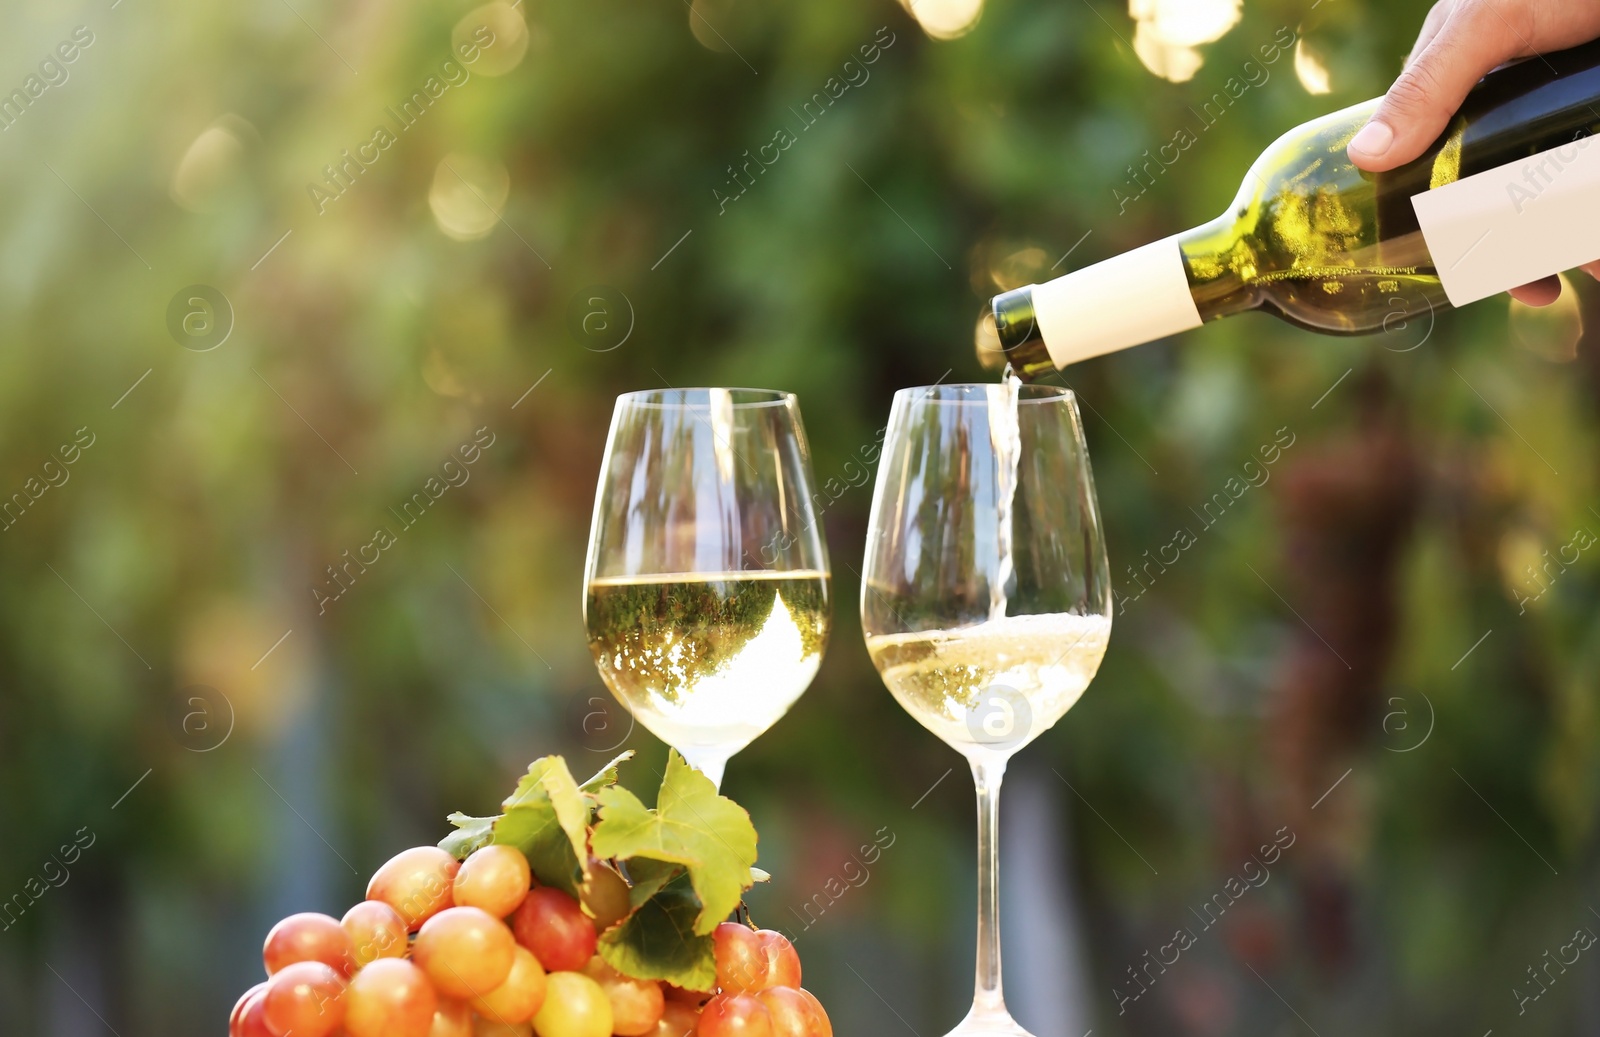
<point>1461,41</point>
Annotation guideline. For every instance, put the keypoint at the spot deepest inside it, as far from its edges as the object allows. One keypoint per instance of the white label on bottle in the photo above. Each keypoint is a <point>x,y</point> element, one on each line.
<point>1515,223</point>
<point>1136,297</point>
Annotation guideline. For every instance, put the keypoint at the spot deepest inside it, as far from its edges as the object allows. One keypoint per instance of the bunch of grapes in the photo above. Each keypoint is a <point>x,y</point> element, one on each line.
<point>759,992</point>
<point>442,948</point>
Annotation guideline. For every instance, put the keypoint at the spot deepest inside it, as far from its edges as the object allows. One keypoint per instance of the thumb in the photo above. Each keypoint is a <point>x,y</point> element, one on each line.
<point>1419,105</point>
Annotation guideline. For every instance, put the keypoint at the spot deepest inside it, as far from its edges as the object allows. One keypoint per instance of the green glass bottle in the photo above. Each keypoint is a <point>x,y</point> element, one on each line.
<point>1509,193</point>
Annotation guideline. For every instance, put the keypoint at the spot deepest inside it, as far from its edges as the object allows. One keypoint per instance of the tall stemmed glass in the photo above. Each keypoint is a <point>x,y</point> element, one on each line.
<point>985,596</point>
<point>707,586</point>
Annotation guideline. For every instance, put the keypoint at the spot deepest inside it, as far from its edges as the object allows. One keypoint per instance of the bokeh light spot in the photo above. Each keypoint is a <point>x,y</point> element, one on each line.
<point>506,32</point>
<point>986,342</point>
<point>210,165</point>
<point>1186,23</point>
<point>945,19</point>
<point>1310,70</point>
<point>1166,33</point>
<point>468,195</point>
<point>705,20</point>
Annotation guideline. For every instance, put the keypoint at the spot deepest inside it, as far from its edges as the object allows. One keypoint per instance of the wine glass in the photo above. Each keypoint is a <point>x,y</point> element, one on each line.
<point>706,587</point>
<point>985,595</point>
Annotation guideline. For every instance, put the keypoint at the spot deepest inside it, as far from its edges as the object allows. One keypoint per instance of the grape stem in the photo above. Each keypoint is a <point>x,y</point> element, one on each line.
<point>986,777</point>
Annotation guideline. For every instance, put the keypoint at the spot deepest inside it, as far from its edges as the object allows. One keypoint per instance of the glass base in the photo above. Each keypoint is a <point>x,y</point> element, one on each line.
<point>989,1022</point>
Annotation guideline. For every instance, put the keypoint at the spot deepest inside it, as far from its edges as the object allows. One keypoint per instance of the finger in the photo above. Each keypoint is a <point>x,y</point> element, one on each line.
<point>1419,105</point>
<point>1592,269</point>
<point>1431,25</point>
<point>1542,292</point>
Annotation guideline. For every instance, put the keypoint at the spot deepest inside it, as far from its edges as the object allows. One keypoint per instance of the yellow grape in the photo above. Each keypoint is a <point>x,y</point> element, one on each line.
<point>416,883</point>
<point>635,1003</point>
<point>519,997</point>
<point>307,936</point>
<point>821,1026</point>
<point>251,1019</point>
<point>482,1027</point>
<point>741,959</point>
<point>465,951</point>
<point>605,896</point>
<point>240,1005</point>
<point>574,1006</point>
<point>783,961</point>
<point>451,1019</point>
<point>735,1015</point>
<point>376,930</point>
<point>495,878</point>
<point>692,998</point>
<point>305,998</point>
<point>389,998</point>
<point>677,1020</point>
<point>790,1012</point>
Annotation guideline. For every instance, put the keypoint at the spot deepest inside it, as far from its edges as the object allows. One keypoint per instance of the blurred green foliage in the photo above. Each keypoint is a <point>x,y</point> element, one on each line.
<point>1316,630</point>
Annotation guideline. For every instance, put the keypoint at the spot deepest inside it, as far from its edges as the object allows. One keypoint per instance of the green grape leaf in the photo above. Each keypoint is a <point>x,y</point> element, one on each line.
<point>688,861</point>
<point>659,940</point>
<point>547,818</point>
<point>649,876</point>
<point>606,776</point>
<point>472,833</point>
<point>710,835</point>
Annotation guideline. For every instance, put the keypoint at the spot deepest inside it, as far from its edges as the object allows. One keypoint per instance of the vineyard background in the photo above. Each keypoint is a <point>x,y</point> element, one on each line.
<point>1384,653</point>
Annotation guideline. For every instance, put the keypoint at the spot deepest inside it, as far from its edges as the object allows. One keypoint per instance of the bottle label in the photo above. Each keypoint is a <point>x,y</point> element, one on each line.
<point>1515,223</point>
<point>1136,297</point>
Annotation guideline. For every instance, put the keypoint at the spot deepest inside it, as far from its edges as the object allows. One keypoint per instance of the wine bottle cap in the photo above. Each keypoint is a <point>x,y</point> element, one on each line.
<point>1019,334</point>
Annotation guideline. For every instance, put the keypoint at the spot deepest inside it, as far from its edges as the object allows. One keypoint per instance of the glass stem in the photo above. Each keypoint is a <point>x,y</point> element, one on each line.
<point>711,763</point>
<point>986,776</point>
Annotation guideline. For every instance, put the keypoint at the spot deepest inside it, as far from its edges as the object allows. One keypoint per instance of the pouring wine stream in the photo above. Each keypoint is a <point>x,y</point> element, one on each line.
<point>1006,436</point>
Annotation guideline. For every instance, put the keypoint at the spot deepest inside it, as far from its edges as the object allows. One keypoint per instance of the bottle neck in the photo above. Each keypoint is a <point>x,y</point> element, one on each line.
<point>1017,327</point>
<point>1129,299</point>
<point>1220,268</point>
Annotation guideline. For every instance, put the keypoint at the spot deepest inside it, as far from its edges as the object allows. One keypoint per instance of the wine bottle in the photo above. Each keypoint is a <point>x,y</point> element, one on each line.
<point>1509,193</point>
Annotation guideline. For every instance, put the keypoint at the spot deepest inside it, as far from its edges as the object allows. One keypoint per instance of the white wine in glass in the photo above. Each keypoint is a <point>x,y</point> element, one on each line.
<point>996,684</point>
<point>707,595</point>
<point>985,597</point>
